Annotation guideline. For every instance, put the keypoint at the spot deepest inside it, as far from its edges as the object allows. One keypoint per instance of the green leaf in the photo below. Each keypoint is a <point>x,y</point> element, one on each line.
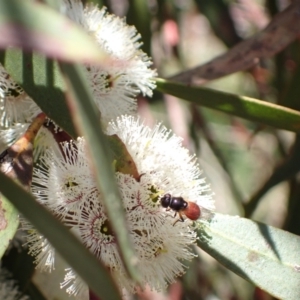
<point>266,256</point>
<point>139,14</point>
<point>244,107</point>
<point>9,222</point>
<point>80,259</point>
<point>86,117</point>
<point>32,25</point>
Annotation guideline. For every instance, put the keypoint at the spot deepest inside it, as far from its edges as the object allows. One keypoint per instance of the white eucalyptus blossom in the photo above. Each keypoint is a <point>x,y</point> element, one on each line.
<point>95,232</point>
<point>75,286</point>
<point>43,141</point>
<point>114,87</point>
<point>164,167</point>
<point>62,180</point>
<point>15,105</point>
<point>8,287</point>
<point>160,155</point>
<point>39,247</point>
<point>9,135</point>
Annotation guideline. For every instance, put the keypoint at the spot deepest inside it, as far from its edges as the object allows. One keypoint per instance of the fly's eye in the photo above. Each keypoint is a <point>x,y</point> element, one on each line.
<point>165,200</point>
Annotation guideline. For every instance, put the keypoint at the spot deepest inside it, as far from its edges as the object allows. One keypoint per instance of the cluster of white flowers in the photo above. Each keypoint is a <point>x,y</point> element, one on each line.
<point>115,88</point>
<point>63,179</point>
<point>64,183</point>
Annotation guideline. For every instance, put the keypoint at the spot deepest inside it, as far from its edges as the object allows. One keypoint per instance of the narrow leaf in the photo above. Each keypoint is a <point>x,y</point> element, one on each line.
<point>244,107</point>
<point>32,25</point>
<point>87,119</point>
<point>79,258</point>
<point>266,256</point>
